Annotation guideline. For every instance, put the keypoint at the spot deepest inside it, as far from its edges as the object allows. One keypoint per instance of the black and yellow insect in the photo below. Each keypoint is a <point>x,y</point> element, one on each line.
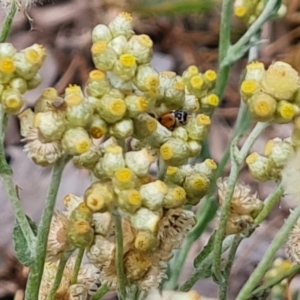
<point>173,119</point>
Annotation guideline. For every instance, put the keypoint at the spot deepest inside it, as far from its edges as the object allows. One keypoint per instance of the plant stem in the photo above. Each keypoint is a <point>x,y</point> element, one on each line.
<point>77,265</point>
<point>205,214</point>
<point>240,47</point>
<point>119,255</point>
<point>101,292</point>
<point>59,274</point>
<point>267,259</point>
<point>223,287</point>
<point>224,43</point>
<point>205,265</point>
<point>11,189</point>
<point>8,21</point>
<point>269,203</point>
<point>37,267</point>
<point>225,209</point>
<point>162,167</point>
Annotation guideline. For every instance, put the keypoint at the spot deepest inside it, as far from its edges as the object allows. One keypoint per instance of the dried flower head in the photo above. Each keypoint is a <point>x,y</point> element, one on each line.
<point>293,243</point>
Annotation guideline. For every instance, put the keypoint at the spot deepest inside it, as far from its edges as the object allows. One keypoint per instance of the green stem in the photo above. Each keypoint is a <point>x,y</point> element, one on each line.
<point>205,265</point>
<point>162,167</point>
<point>119,255</point>
<point>37,267</point>
<point>267,259</point>
<point>223,287</point>
<point>287,274</point>
<point>240,47</point>
<point>8,21</point>
<point>225,209</point>
<point>59,274</point>
<point>77,265</point>
<point>224,44</point>
<point>101,292</point>
<point>269,203</point>
<point>10,188</point>
<point>205,214</point>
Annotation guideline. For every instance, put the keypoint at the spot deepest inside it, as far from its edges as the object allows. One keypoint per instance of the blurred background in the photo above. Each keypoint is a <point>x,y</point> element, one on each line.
<point>184,33</point>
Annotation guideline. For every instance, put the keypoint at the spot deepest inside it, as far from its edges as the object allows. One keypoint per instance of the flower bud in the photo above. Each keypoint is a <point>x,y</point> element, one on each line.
<point>139,161</point>
<point>12,101</point>
<point>196,186</point>
<point>174,175</point>
<point>196,86</point>
<point>121,25</point>
<point>278,151</point>
<point>112,160</point>
<point>171,89</point>
<point>209,102</point>
<point>135,105</point>
<point>158,137</point>
<point>189,73</point>
<point>26,118</point>
<point>198,127</point>
<point>19,84</point>
<point>101,33</point>
<point>145,241</point>
<point>104,57</point>
<point>255,71</point>
<point>7,50</point>
<point>34,82</point>
<point>51,125</point>
<point>97,84</point>
<point>129,200</point>
<point>118,44</point>
<point>176,197</point>
<point>140,46</point>
<point>144,125</point>
<point>191,104</point>
<point>153,194</point>
<point>102,223</point>
<point>206,168</point>
<point>80,234</point>
<point>195,148</point>
<point>88,159</point>
<point>76,141</point>
<point>28,61</point>
<point>122,129</point>
<point>258,167</point>
<point>145,219</point>
<point>81,212</point>
<point>146,79</point>
<point>125,67</point>
<point>237,223</point>
<point>285,111</point>
<point>174,152</point>
<point>46,100</point>
<point>210,77</point>
<point>7,69</point>
<point>248,88</point>
<point>111,109</point>
<point>100,197</point>
<point>262,107</point>
<point>124,179</point>
<point>109,142</point>
<point>77,291</point>
<point>283,73</point>
<point>98,127</point>
<point>180,133</point>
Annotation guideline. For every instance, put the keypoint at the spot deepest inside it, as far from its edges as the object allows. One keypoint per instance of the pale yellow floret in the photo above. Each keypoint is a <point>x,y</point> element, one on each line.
<point>240,11</point>
<point>210,75</point>
<point>196,81</point>
<point>7,65</point>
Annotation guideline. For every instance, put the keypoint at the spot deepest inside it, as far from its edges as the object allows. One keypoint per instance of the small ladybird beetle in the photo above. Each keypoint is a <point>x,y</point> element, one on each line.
<point>173,119</point>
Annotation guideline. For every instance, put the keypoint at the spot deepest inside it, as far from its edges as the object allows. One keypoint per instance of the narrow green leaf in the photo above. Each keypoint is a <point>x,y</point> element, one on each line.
<point>205,252</point>
<point>23,250</point>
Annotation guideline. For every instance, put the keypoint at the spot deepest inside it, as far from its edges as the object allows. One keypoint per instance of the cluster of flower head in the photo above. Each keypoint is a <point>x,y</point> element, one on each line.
<point>18,73</point>
<point>272,94</point>
<point>244,206</point>
<point>249,10</point>
<point>279,266</point>
<point>109,129</point>
<point>270,165</point>
<point>119,100</point>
